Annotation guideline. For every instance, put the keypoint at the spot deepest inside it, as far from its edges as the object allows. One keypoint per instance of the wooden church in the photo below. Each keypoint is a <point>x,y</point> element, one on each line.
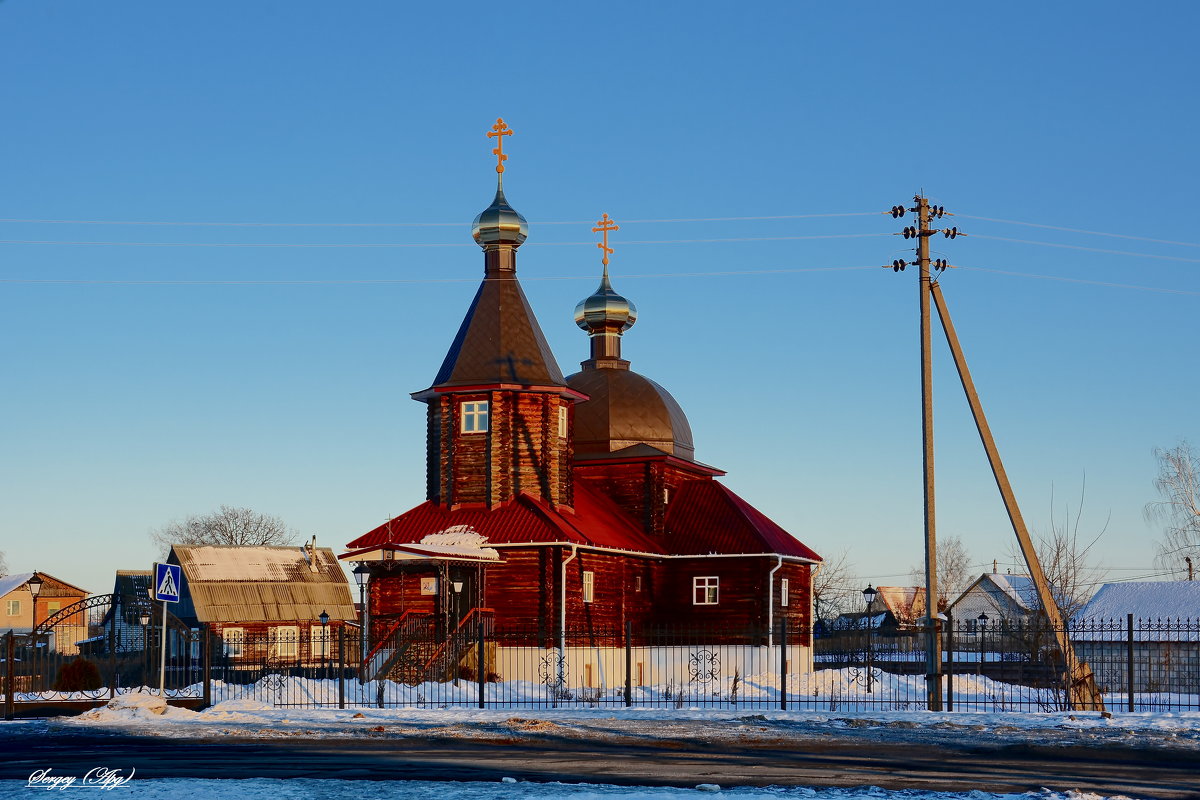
<point>570,503</point>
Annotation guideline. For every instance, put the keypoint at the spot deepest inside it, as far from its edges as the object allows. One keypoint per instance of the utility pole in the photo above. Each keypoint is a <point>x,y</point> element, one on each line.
<point>925,214</point>
<point>1082,692</point>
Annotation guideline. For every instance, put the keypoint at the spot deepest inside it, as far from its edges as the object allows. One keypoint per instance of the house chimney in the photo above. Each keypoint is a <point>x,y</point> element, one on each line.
<point>310,553</point>
<point>995,566</point>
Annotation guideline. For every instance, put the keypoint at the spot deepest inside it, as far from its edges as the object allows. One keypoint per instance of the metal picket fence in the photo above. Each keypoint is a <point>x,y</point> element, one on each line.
<point>413,661</point>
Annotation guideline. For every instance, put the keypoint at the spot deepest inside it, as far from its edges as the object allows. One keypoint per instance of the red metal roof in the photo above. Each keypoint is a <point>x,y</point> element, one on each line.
<point>596,521</point>
<point>706,517</point>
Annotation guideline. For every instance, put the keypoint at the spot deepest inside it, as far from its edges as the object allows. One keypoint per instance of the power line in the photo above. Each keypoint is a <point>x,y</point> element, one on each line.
<point>1082,280</point>
<point>1080,230</point>
<point>458,224</point>
<point>433,244</point>
<point>1088,249</point>
<point>386,281</point>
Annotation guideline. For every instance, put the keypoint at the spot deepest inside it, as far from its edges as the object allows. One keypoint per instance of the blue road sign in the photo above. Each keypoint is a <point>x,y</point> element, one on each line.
<point>166,582</point>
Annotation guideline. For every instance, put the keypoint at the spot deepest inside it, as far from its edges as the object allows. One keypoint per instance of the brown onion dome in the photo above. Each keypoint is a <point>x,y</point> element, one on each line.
<point>625,408</point>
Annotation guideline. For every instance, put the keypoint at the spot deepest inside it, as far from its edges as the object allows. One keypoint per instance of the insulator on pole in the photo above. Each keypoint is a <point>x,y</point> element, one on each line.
<point>899,264</point>
<point>897,211</point>
<point>910,232</point>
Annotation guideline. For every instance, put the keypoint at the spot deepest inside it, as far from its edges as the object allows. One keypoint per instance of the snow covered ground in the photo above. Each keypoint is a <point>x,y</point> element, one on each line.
<point>313,789</point>
<point>247,717</point>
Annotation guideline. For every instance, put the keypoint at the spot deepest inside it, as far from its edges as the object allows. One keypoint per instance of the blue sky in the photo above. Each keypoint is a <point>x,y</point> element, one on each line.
<point>128,404</point>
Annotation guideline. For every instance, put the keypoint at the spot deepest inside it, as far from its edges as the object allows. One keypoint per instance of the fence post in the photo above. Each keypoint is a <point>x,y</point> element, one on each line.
<point>1129,659</point>
<point>342,666</point>
<point>206,678</point>
<point>112,654</point>
<point>949,661</point>
<point>628,664</point>
<point>10,700</point>
<point>481,666</point>
<point>783,645</point>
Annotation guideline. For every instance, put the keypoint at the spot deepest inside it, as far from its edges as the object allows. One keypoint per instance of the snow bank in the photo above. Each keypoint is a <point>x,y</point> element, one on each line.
<point>136,707</point>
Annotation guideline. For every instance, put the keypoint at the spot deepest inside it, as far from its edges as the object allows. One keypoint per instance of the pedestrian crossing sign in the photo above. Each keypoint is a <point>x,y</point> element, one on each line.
<point>166,583</point>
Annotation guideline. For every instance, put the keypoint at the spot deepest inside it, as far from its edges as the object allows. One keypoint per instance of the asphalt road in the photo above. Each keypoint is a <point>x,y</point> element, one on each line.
<point>827,760</point>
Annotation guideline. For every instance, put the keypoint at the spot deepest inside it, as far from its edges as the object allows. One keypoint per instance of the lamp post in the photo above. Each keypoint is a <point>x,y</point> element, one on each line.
<point>982,619</point>
<point>144,619</point>
<point>324,617</point>
<point>34,585</point>
<point>869,595</point>
<point>361,575</point>
<point>458,587</point>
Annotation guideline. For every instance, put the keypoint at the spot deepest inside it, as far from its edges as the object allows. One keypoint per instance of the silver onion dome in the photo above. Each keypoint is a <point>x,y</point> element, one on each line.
<point>499,223</point>
<point>605,310</point>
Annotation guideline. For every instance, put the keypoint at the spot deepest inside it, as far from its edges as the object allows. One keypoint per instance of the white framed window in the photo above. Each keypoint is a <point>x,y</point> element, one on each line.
<point>589,586</point>
<point>318,641</point>
<point>637,583</point>
<point>783,592</point>
<point>562,422</point>
<point>706,590</point>
<point>14,608</point>
<point>235,639</point>
<point>53,607</point>
<point>474,416</point>
<point>284,641</point>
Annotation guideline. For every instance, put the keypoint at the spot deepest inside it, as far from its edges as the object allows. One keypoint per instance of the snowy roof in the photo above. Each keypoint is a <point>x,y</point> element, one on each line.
<point>10,582</point>
<point>1145,600</point>
<point>1018,587</point>
<point>264,584</point>
<point>51,587</point>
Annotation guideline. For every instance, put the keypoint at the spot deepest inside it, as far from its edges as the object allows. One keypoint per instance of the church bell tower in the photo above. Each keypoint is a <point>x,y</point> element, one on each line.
<point>500,413</point>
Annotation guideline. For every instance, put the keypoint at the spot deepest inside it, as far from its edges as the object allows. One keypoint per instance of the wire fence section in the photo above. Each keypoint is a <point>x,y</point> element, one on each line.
<point>1139,665</point>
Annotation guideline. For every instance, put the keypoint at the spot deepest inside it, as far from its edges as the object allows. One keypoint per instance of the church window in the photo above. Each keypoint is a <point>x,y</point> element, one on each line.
<point>705,590</point>
<point>589,586</point>
<point>637,583</point>
<point>783,592</point>
<point>475,416</point>
<point>14,608</point>
<point>562,422</point>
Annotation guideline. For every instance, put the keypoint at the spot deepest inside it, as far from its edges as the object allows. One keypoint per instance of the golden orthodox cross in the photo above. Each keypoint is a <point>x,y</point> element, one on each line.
<point>499,131</point>
<point>605,225</point>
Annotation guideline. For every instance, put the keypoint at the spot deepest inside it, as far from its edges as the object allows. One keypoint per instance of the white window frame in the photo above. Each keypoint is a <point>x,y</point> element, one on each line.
<point>474,416</point>
<point>783,592</point>
<point>589,586</point>
<point>235,642</point>
<point>562,422</point>
<point>14,608</point>
<point>284,641</point>
<point>318,641</point>
<point>706,590</point>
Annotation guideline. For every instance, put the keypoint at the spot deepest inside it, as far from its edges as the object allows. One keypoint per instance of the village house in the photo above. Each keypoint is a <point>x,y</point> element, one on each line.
<point>19,603</point>
<point>564,506</point>
<point>1165,644</point>
<point>995,599</point>
<point>265,603</point>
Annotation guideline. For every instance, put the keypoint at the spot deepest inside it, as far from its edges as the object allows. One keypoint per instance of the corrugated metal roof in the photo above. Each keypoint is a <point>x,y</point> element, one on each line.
<point>242,584</point>
<point>596,521</point>
<point>707,517</point>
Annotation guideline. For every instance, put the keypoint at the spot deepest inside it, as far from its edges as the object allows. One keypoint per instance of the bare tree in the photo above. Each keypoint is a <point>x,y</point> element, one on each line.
<point>1066,557</point>
<point>954,572</point>
<point>1178,510</point>
<point>831,586</point>
<point>226,526</point>
<point>3,565</point>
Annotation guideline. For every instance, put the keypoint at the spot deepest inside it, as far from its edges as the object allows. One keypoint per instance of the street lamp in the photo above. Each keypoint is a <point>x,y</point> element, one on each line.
<point>361,575</point>
<point>869,595</point>
<point>35,587</point>
<point>324,617</point>
<point>144,619</point>
<point>982,619</point>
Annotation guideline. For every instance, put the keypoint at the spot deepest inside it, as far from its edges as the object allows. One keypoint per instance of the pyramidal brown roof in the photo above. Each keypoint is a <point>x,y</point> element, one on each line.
<point>499,342</point>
